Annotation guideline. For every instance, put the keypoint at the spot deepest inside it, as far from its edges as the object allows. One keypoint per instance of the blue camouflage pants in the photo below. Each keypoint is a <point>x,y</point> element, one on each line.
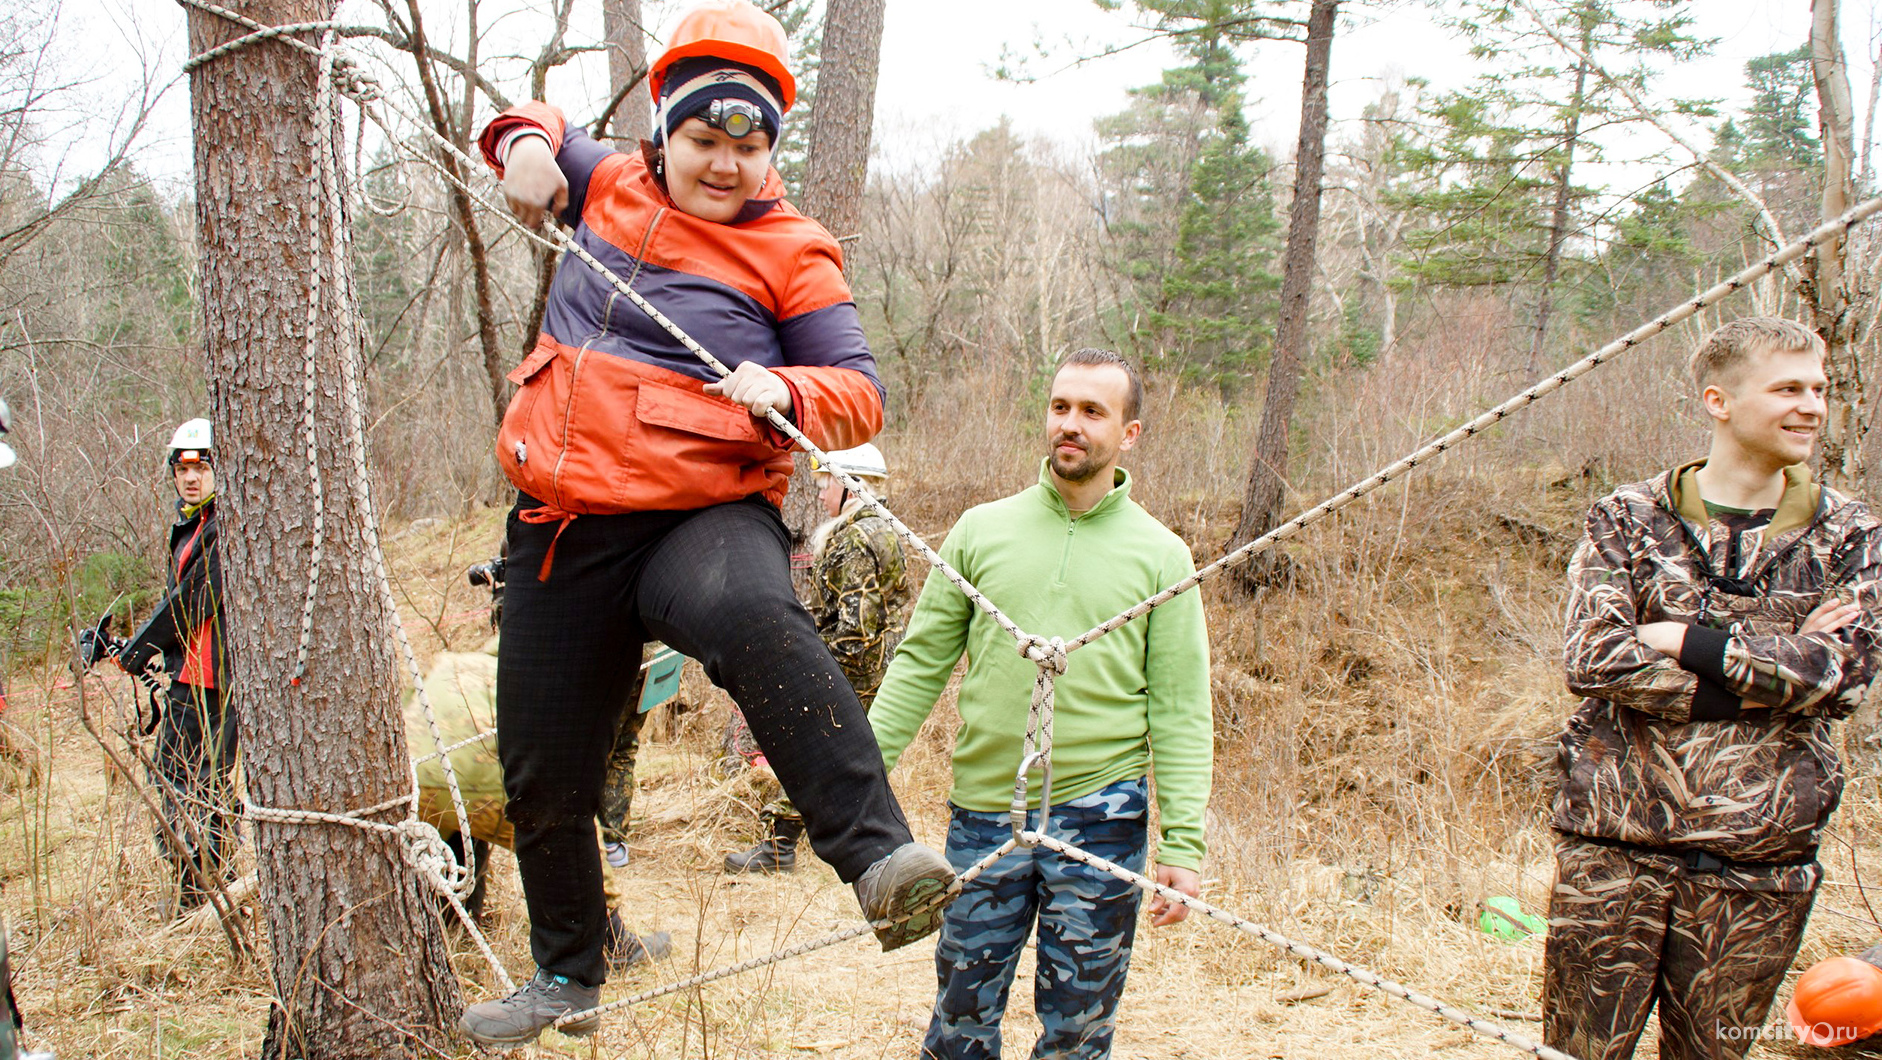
<point>1087,920</point>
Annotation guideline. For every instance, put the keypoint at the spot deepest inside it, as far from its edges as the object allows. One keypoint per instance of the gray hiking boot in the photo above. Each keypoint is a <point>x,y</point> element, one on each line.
<point>908,888</point>
<point>519,1018</point>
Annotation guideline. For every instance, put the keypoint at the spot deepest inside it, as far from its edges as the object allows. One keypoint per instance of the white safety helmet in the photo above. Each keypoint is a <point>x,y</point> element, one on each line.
<point>864,461</point>
<point>192,443</point>
<point>7,456</point>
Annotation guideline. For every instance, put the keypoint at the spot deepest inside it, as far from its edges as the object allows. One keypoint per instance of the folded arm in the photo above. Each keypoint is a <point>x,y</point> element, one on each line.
<point>1603,655</point>
<point>1824,667</point>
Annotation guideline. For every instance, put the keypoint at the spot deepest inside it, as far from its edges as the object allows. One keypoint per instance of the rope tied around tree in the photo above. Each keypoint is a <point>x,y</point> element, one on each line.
<point>1050,655</point>
<point>422,846</point>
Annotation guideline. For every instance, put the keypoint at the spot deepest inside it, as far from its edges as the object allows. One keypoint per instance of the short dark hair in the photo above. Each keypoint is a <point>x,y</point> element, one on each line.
<point>1092,357</point>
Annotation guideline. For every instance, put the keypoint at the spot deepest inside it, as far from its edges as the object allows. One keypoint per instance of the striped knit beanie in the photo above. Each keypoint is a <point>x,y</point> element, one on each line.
<point>693,84</point>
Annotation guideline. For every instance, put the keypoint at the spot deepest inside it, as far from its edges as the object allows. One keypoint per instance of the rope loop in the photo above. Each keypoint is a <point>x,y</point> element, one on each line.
<point>353,81</point>
<point>431,858</point>
<point>1048,652</point>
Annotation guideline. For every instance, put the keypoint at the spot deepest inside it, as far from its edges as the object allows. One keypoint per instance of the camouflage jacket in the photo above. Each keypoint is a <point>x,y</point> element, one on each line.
<point>858,584</point>
<point>1728,749</point>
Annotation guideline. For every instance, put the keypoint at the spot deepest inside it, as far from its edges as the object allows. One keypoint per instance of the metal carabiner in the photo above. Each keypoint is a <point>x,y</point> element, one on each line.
<point>1022,789</point>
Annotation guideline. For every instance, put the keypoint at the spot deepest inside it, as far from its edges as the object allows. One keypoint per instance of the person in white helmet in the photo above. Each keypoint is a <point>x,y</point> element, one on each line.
<point>6,451</point>
<point>196,735</point>
<point>858,585</point>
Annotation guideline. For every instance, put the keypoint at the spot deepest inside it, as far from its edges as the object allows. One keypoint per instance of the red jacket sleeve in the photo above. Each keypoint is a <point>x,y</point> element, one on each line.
<point>837,408</point>
<point>534,115</point>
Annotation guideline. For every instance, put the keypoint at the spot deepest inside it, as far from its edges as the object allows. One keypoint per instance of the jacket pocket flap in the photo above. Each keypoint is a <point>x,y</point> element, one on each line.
<point>541,355</point>
<point>661,405</point>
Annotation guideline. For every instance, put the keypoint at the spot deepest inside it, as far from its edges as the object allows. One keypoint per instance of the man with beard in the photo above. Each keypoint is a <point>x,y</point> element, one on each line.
<point>1059,558</point>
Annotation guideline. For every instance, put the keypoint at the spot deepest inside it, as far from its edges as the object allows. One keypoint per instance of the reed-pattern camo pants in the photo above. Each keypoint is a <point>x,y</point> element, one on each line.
<point>1625,935</point>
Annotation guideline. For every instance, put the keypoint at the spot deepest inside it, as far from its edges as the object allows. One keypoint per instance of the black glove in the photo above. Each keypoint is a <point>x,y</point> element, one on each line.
<point>136,658</point>
<point>92,647</point>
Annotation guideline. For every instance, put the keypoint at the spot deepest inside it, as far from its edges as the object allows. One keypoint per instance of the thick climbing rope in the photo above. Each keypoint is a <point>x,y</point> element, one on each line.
<point>422,846</point>
<point>323,118</point>
<point>1304,951</point>
<point>1050,655</point>
<point>1825,232</point>
<point>356,84</point>
<point>428,849</point>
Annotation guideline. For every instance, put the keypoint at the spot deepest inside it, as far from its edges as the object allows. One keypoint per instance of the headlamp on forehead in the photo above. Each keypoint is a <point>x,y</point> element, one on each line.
<point>734,117</point>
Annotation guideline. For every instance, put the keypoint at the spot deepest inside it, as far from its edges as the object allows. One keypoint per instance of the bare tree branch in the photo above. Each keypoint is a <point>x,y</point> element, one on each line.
<point>404,43</point>
<point>1775,231</point>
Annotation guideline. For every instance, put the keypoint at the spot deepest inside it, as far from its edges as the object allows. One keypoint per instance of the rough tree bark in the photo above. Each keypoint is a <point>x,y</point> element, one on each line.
<point>837,167</point>
<point>1564,186</point>
<point>1267,473</point>
<point>1825,284</point>
<point>357,952</point>
<point>836,172</point>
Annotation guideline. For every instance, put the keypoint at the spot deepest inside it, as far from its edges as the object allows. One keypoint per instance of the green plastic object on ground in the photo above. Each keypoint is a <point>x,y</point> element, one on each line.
<point>663,678</point>
<point>1503,918</point>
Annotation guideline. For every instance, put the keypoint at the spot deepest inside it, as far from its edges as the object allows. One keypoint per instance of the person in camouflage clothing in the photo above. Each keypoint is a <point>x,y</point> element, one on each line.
<point>462,687</point>
<point>858,584</point>
<point>617,786</point>
<point>1720,616</point>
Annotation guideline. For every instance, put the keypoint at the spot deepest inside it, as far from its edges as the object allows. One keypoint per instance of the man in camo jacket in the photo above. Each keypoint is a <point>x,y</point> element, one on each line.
<point>858,584</point>
<point>1719,617</point>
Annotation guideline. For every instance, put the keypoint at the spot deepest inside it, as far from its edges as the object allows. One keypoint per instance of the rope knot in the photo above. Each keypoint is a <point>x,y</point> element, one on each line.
<point>1049,653</point>
<point>353,81</point>
<point>429,856</point>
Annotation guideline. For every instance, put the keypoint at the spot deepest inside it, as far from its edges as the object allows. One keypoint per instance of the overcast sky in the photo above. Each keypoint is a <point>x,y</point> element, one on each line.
<point>937,84</point>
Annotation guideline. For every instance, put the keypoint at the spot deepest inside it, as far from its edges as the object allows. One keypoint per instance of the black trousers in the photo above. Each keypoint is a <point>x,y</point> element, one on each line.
<point>195,759</point>
<point>715,584</point>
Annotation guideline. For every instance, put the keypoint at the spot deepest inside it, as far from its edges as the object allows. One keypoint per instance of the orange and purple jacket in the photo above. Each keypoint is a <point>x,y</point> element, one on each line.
<point>612,416</point>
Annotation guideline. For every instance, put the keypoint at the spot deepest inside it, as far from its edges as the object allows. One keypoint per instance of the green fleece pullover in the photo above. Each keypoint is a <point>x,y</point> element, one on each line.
<point>1134,701</point>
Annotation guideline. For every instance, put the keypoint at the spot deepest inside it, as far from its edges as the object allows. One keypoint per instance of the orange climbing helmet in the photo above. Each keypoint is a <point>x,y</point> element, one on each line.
<point>734,30</point>
<point>1836,1002</point>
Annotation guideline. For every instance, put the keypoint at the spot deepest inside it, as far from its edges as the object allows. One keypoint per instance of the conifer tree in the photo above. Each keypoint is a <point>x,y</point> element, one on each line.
<point>1503,207</point>
<point>1205,307</point>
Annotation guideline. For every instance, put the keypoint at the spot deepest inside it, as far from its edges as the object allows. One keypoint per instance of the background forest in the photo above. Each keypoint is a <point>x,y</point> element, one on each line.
<point>1387,694</point>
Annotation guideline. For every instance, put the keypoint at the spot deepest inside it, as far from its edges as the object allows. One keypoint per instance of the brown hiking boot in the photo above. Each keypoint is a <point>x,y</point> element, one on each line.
<point>908,889</point>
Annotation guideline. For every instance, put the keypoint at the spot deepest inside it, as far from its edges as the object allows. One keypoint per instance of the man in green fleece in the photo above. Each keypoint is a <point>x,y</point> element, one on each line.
<point>1059,558</point>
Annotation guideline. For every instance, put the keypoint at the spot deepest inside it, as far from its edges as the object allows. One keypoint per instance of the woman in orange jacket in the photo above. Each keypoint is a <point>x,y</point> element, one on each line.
<point>648,490</point>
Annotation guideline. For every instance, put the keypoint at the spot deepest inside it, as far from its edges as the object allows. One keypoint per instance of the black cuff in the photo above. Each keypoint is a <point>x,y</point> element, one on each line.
<point>1703,652</point>
<point>1712,701</point>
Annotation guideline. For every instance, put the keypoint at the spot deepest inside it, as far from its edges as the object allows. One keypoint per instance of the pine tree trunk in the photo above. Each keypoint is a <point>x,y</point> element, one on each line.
<point>836,172</point>
<point>1826,287</point>
<point>358,956</point>
<point>626,35</point>
<point>1267,473</point>
<point>1564,184</point>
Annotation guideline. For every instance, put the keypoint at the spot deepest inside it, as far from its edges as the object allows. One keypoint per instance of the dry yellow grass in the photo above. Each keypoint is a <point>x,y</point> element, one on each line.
<point>1384,731</point>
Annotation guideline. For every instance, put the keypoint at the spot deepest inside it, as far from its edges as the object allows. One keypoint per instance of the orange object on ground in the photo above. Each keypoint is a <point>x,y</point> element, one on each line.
<point>1837,1001</point>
